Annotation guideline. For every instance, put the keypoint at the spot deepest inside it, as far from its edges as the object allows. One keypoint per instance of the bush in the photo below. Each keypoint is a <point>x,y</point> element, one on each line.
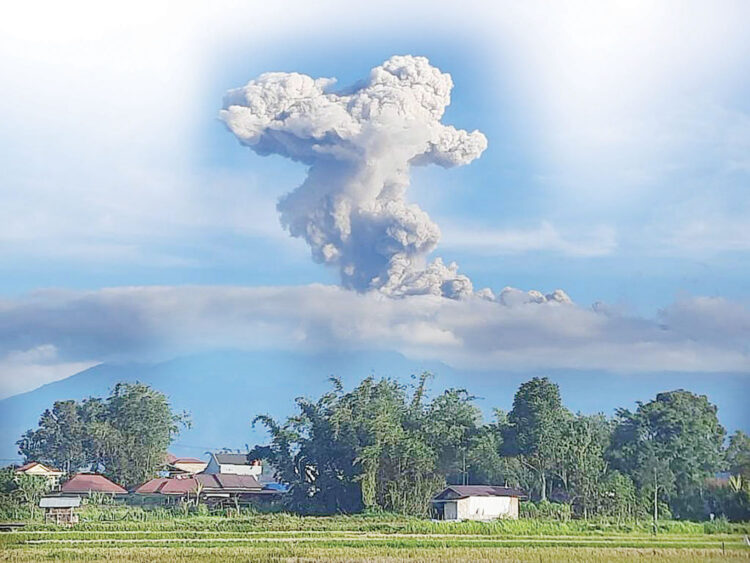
<point>545,510</point>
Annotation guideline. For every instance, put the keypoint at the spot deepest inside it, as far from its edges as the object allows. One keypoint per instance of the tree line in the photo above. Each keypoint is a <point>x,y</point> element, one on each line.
<point>387,447</point>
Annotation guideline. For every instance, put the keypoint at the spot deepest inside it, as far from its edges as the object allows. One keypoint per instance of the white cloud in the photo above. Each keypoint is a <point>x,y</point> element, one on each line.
<point>708,235</point>
<point>599,241</point>
<point>624,92</point>
<point>23,370</point>
<point>697,334</point>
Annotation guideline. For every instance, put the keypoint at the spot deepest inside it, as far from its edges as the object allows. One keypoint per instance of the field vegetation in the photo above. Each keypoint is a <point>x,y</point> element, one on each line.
<point>119,533</point>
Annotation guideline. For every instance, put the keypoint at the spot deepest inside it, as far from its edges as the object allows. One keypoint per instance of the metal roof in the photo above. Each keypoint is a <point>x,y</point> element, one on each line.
<point>151,486</point>
<point>168,486</point>
<point>84,483</point>
<point>210,483</point>
<point>453,492</point>
<point>60,502</point>
<point>226,481</point>
<point>233,459</point>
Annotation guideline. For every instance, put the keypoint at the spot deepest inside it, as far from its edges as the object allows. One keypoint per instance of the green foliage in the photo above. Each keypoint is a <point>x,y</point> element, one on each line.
<point>97,498</point>
<point>20,494</point>
<point>136,430</point>
<point>374,447</point>
<point>377,448</point>
<point>730,499</point>
<point>617,496</point>
<point>118,533</point>
<point>60,439</point>
<point>546,510</point>
<point>126,434</point>
<point>123,518</point>
<point>451,424</point>
<point>670,447</point>
<point>534,429</point>
<point>738,455</point>
<point>30,489</point>
<point>10,503</point>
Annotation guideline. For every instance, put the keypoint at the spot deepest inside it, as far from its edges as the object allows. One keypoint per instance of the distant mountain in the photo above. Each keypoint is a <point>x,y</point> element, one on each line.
<point>224,391</point>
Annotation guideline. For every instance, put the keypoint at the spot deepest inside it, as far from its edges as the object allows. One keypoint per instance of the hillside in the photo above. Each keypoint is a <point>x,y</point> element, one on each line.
<point>224,390</point>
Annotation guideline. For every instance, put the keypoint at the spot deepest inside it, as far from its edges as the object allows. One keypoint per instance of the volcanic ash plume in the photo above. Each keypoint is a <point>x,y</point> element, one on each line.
<point>360,144</point>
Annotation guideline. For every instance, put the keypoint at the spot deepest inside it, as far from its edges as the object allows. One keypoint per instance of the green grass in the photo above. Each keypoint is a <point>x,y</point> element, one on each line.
<point>380,553</point>
<point>370,537</point>
<point>124,518</point>
<point>360,550</point>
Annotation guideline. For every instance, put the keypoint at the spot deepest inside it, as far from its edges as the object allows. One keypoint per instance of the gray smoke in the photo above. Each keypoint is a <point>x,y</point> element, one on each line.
<point>360,144</point>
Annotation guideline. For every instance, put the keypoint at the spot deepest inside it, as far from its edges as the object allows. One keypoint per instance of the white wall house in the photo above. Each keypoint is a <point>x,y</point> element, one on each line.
<point>476,502</point>
<point>40,470</point>
<point>233,464</point>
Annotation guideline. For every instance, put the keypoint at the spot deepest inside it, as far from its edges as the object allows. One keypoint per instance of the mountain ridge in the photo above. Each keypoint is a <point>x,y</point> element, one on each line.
<point>224,390</point>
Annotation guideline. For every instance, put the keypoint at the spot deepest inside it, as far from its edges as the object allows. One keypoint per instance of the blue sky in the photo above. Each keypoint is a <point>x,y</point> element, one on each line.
<point>617,170</point>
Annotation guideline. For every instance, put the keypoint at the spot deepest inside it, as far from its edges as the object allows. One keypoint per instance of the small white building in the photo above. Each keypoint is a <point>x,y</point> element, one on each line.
<point>233,464</point>
<point>476,502</point>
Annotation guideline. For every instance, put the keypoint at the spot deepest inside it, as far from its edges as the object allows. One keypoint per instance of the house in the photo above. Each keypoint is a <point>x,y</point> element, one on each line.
<point>229,485</point>
<point>87,483</point>
<point>233,464</point>
<point>166,490</point>
<point>60,510</point>
<point>211,488</point>
<point>183,466</point>
<point>476,502</point>
<point>40,470</point>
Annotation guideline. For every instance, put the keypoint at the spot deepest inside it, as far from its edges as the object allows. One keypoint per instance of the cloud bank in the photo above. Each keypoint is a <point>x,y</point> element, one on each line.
<point>135,323</point>
<point>360,144</point>
<point>22,370</point>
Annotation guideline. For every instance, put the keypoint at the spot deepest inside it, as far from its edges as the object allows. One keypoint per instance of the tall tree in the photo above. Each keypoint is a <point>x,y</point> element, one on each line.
<point>365,448</point>
<point>137,429</point>
<point>676,436</point>
<point>126,435</point>
<point>59,440</point>
<point>580,466</point>
<point>535,427</point>
<point>329,453</point>
<point>738,455</point>
<point>451,425</point>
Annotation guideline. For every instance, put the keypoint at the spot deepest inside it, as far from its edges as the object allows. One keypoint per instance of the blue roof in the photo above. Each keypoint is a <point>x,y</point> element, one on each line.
<point>275,487</point>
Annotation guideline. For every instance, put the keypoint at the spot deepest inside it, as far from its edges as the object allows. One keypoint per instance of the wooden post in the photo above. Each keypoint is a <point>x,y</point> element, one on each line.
<point>656,501</point>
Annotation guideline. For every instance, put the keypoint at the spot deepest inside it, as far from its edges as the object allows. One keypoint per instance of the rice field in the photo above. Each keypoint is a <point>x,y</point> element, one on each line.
<point>282,537</point>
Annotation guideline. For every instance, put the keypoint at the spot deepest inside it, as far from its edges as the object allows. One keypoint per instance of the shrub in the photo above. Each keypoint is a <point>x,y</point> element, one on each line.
<point>545,510</point>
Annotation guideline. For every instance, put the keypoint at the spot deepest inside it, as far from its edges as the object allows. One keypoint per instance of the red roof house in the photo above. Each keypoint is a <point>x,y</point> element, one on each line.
<point>85,483</point>
<point>214,489</point>
<point>209,484</point>
<point>167,486</point>
<point>150,487</point>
